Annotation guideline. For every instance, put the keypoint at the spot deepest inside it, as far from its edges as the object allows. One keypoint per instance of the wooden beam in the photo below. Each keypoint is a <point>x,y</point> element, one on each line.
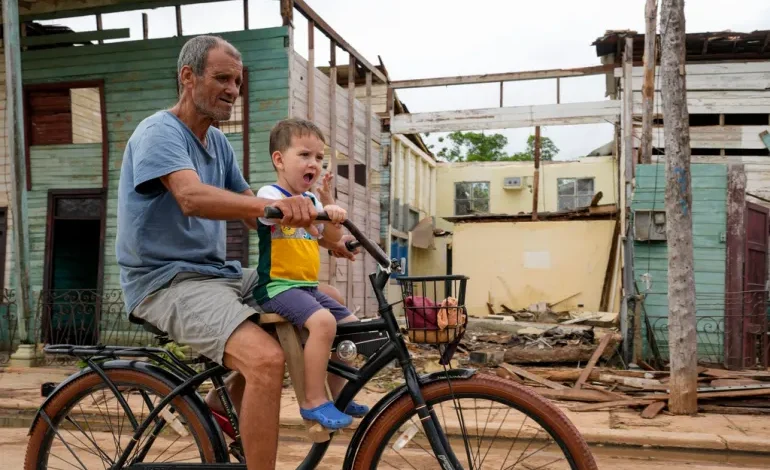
<point>648,88</point>
<point>99,25</point>
<point>736,254</point>
<point>501,93</point>
<point>178,10</point>
<point>536,182</point>
<point>67,38</point>
<point>145,26</point>
<point>287,12</point>
<point>310,71</point>
<point>333,141</point>
<point>628,105</point>
<point>311,15</point>
<point>626,169</point>
<point>351,164</point>
<point>714,137</point>
<point>367,175</point>
<point>408,143</point>
<point>15,150</point>
<point>558,90</point>
<point>51,10</point>
<point>507,117</point>
<point>502,77</point>
<point>245,14</point>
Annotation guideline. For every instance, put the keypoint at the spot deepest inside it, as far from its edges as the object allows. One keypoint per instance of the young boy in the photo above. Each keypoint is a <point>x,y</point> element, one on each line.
<point>289,262</point>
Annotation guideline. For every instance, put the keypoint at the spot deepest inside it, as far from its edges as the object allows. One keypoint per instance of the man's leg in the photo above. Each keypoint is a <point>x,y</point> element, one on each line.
<point>259,360</point>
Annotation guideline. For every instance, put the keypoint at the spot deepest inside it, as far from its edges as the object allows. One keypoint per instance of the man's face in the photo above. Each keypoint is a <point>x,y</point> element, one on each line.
<point>215,91</point>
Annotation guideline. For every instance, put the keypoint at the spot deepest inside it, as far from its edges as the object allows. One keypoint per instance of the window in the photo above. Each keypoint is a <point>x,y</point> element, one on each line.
<point>472,198</point>
<point>61,114</point>
<point>359,172</point>
<point>574,193</point>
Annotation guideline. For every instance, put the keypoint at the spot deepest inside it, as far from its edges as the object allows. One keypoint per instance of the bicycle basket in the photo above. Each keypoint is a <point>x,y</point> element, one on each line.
<point>434,307</point>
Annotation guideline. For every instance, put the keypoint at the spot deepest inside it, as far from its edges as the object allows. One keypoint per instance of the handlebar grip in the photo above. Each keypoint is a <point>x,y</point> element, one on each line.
<point>350,245</point>
<point>276,213</point>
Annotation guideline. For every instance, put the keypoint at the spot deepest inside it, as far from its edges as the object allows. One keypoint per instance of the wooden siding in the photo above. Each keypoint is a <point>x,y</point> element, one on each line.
<point>744,76</point>
<point>76,166</point>
<point>140,79</point>
<point>86,116</point>
<point>709,214</point>
<point>714,137</point>
<point>5,181</point>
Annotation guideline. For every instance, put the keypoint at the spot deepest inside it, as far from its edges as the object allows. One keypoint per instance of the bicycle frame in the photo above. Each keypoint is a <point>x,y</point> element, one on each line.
<point>394,349</point>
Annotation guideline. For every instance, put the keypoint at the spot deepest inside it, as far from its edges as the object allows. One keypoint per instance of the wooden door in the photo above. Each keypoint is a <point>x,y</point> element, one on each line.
<point>754,286</point>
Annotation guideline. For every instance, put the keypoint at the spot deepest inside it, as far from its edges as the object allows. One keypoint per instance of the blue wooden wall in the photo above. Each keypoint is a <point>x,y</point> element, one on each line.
<point>709,215</point>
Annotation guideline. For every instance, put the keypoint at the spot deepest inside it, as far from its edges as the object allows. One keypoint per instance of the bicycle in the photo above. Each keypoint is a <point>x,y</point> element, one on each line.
<point>407,410</point>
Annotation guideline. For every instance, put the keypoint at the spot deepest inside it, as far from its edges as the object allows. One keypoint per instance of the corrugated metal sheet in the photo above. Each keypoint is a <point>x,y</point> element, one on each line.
<point>140,78</point>
<point>709,214</point>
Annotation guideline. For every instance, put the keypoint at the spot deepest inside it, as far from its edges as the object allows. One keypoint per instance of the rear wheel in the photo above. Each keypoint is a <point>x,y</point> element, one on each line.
<point>89,429</point>
<point>489,422</point>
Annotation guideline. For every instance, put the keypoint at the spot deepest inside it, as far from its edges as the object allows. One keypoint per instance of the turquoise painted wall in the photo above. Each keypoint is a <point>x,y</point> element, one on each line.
<point>140,78</point>
<point>709,213</point>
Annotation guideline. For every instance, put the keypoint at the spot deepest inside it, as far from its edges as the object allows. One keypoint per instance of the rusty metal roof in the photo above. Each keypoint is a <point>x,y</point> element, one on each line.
<point>602,212</point>
<point>706,46</point>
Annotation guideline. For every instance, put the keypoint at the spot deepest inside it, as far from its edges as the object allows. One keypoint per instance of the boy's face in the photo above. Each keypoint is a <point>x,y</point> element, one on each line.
<point>300,165</point>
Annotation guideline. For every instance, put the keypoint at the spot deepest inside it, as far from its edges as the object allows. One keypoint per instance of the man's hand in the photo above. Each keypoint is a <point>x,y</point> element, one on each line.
<point>339,250</point>
<point>298,211</point>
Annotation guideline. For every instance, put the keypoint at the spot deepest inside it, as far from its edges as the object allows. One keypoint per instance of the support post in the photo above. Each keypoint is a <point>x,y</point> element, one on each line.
<point>178,9</point>
<point>648,88</point>
<point>99,25</point>
<point>736,255</point>
<point>627,164</point>
<point>333,141</point>
<point>558,90</point>
<point>287,12</point>
<point>15,148</point>
<point>145,26</point>
<point>501,94</point>
<point>536,182</point>
<point>367,175</point>
<point>351,164</point>
<point>310,71</point>
<point>681,285</point>
<point>245,14</point>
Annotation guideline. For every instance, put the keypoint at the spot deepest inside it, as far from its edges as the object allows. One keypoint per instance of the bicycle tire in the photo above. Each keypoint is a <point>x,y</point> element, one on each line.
<point>41,436</point>
<point>526,401</point>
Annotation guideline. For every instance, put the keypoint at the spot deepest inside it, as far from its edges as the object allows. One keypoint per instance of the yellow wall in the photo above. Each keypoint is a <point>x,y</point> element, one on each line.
<point>514,201</point>
<point>522,263</point>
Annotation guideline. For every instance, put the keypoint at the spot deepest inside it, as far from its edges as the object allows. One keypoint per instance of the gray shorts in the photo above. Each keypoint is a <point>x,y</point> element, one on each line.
<point>201,311</point>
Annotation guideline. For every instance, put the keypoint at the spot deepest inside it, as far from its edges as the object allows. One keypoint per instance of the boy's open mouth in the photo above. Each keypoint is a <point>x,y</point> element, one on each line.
<point>308,177</point>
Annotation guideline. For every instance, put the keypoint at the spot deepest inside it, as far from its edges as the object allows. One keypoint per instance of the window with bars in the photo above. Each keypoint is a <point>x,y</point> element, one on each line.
<point>471,197</point>
<point>574,193</point>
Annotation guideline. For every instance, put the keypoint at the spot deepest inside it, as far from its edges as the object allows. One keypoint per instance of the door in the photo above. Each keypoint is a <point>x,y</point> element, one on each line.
<point>754,286</point>
<point>72,279</point>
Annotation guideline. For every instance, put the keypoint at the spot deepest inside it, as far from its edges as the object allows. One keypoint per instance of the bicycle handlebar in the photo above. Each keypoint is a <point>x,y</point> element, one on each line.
<point>380,256</point>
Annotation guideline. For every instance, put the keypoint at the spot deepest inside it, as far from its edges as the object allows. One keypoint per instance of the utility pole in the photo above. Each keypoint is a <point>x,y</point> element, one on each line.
<point>682,338</point>
<point>648,86</point>
<point>536,181</point>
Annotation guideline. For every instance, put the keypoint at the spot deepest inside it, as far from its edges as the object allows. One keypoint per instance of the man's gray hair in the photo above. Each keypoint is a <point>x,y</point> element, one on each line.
<point>195,53</point>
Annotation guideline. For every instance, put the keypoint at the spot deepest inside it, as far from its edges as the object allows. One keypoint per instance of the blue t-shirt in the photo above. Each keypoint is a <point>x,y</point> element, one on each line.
<point>155,239</point>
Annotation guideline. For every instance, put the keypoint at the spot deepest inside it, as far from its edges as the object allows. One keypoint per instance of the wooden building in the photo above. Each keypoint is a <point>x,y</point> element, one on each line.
<point>728,100</point>
<point>81,104</point>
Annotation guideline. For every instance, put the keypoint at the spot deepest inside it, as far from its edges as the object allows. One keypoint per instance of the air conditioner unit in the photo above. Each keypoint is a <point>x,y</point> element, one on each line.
<point>512,182</point>
<point>649,225</point>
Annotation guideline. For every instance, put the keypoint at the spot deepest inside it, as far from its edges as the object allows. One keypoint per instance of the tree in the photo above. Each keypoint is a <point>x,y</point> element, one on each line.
<point>682,337</point>
<point>481,147</point>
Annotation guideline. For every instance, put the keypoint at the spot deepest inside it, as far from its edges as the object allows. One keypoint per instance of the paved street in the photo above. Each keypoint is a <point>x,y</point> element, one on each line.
<point>291,451</point>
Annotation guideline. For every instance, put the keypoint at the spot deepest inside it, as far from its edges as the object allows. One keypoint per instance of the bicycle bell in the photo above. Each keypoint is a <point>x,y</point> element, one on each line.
<point>347,350</point>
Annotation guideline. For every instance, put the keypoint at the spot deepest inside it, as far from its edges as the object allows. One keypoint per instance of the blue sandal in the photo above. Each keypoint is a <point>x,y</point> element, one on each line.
<point>327,415</point>
<point>355,410</point>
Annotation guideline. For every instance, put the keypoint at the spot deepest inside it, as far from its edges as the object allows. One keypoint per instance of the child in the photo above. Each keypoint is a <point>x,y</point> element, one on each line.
<point>289,262</point>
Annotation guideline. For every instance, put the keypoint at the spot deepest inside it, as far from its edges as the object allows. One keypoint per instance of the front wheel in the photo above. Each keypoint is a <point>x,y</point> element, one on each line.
<point>489,422</point>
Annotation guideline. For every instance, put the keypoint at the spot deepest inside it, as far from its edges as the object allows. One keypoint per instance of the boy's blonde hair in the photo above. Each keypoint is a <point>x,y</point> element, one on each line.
<point>282,133</point>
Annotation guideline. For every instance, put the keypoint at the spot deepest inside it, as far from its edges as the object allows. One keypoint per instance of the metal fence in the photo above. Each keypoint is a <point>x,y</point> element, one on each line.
<point>730,328</point>
<point>74,316</point>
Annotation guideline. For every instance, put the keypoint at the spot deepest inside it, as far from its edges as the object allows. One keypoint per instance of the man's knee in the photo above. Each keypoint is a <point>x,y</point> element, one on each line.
<point>332,292</point>
<point>254,353</point>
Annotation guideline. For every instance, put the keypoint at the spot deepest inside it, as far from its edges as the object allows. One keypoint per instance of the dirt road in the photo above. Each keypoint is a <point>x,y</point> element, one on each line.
<point>292,450</point>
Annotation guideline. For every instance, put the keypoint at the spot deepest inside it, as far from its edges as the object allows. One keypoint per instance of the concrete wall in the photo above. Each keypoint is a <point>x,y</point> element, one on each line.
<point>521,263</point>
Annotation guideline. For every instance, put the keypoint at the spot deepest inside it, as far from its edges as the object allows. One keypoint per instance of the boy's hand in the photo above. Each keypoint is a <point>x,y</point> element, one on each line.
<point>325,189</point>
<point>336,214</point>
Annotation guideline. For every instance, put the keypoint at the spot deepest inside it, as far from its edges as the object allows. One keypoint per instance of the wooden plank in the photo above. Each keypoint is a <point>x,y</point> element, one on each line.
<point>736,239</point>
<point>311,15</point>
<point>310,71</point>
<point>367,175</point>
<point>722,68</point>
<point>333,142</point>
<point>70,8</point>
<point>592,362</point>
<point>715,137</point>
<point>502,77</point>
<point>731,81</point>
<point>506,118</point>
<point>612,404</point>
<point>716,102</point>
<point>533,377</point>
<point>351,158</point>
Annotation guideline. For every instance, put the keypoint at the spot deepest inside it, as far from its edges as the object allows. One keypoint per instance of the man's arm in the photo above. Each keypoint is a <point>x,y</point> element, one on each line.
<point>197,199</point>
<point>251,223</point>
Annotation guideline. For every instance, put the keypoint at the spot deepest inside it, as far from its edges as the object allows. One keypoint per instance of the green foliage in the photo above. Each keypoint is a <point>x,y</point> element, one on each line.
<point>480,147</point>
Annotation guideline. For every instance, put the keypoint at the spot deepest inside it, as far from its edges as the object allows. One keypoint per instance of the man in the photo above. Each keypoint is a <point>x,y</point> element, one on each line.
<point>179,183</point>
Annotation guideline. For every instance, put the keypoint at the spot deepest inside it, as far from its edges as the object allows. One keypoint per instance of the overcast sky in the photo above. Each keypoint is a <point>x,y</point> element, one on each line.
<point>433,38</point>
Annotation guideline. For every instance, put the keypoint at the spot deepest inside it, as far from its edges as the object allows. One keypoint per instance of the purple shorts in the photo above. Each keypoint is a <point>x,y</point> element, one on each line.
<point>299,303</point>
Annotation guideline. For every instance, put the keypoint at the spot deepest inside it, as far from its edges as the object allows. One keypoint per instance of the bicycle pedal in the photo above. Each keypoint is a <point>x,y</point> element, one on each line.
<point>318,433</point>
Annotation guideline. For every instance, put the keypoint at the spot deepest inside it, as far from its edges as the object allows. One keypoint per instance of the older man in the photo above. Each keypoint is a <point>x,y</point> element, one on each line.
<point>179,183</point>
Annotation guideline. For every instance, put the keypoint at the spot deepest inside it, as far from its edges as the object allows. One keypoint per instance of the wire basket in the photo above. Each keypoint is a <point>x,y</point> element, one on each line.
<point>434,307</point>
